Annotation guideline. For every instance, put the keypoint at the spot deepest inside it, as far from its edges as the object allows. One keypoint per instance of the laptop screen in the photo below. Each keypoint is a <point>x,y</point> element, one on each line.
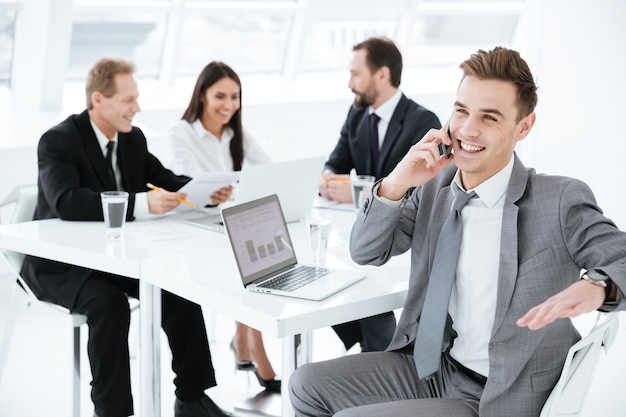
<point>259,237</point>
<point>294,181</point>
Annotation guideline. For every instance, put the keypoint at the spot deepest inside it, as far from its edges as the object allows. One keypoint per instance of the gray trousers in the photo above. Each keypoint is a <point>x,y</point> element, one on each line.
<point>382,384</point>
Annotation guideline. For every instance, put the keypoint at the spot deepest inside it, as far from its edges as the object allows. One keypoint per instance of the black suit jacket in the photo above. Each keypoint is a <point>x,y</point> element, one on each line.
<point>72,173</point>
<point>408,125</point>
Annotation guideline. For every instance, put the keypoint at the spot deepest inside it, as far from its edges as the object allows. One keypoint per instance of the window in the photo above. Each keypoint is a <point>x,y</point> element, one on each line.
<point>7,31</point>
<point>135,36</point>
<point>249,42</point>
<point>171,40</point>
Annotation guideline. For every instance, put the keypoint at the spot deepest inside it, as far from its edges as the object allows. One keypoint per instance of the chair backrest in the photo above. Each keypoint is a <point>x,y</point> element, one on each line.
<point>568,396</point>
<point>23,199</point>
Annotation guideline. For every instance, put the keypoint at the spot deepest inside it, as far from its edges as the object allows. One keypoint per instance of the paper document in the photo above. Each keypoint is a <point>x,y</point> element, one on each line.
<point>200,188</point>
<point>321,202</point>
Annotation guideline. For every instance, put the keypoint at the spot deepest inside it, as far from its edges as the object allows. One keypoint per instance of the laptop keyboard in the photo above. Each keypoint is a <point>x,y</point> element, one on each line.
<point>296,278</point>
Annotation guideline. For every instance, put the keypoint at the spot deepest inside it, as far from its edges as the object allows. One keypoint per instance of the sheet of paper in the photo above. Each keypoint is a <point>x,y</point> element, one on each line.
<point>321,202</point>
<point>158,229</point>
<point>200,188</point>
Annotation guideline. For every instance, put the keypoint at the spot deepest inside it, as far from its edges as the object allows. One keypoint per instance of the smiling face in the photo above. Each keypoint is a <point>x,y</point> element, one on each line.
<point>115,114</point>
<point>485,128</point>
<point>220,101</point>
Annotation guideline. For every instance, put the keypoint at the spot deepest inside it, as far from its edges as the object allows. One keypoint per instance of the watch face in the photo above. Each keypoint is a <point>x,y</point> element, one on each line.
<point>598,279</point>
<point>596,276</point>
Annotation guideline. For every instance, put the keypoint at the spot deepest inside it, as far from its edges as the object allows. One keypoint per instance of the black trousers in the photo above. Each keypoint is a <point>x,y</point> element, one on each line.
<point>373,333</point>
<point>103,299</point>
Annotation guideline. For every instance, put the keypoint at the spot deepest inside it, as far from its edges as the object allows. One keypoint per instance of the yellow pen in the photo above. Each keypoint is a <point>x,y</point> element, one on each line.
<point>341,180</point>
<point>182,200</point>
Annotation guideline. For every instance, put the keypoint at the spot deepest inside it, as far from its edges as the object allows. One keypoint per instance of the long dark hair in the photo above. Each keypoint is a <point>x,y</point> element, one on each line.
<point>211,74</point>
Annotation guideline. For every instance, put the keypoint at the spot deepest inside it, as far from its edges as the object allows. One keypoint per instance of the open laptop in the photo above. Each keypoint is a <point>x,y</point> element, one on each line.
<point>294,181</point>
<point>265,255</point>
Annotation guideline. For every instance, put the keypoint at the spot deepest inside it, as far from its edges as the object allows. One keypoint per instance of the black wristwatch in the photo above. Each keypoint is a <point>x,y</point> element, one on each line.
<point>598,278</point>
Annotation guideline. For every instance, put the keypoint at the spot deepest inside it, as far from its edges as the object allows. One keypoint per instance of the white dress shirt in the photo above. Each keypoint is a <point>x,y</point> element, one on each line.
<point>385,112</point>
<point>194,149</point>
<point>474,293</point>
<point>473,299</point>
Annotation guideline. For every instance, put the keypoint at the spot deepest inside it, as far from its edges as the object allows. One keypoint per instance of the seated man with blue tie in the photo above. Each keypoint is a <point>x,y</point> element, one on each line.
<point>496,246</point>
<point>381,126</point>
<point>86,154</point>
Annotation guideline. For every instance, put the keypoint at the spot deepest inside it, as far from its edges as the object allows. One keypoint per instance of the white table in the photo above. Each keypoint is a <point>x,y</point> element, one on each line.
<point>198,265</point>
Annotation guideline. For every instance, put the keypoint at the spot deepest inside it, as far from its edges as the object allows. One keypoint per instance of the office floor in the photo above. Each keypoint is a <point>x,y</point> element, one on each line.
<point>37,379</point>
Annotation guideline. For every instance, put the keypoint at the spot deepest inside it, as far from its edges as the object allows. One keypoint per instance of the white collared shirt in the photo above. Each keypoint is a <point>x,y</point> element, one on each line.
<point>194,149</point>
<point>473,299</point>
<point>474,293</point>
<point>385,112</point>
<point>103,141</point>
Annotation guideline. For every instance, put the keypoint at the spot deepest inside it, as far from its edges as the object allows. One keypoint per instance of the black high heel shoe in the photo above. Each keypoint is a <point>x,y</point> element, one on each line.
<point>241,365</point>
<point>271,385</point>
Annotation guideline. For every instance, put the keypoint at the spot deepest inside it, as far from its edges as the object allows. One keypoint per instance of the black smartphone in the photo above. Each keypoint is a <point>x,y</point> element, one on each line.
<point>445,149</point>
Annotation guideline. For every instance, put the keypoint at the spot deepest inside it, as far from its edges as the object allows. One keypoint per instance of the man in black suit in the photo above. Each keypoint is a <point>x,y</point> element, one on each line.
<point>375,72</point>
<point>73,171</point>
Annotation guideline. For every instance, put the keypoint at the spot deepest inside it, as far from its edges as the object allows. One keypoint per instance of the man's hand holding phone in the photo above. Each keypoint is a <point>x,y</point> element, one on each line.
<point>446,150</point>
<point>421,163</point>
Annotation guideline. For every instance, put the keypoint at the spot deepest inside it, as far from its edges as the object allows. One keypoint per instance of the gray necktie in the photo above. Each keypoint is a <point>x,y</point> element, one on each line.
<point>429,339</point>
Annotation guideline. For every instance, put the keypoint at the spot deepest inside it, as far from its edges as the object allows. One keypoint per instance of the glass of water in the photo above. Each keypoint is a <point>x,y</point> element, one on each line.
<point>114,206</point>
<point>318,229</point>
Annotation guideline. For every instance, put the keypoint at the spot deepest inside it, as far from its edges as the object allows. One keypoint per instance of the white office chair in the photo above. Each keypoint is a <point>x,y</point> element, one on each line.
<point>568,396</point>
<point>24,199</point>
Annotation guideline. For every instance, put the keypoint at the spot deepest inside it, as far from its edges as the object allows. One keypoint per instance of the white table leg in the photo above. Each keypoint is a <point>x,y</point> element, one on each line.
<point>296,352</point>
<point>150,349</point>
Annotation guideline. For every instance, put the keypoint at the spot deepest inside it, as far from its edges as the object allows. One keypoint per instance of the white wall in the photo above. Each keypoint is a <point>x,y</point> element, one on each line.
<point>577,55</point>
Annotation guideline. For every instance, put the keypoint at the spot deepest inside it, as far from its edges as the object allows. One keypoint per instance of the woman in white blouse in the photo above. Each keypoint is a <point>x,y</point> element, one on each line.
<point>210,137</point>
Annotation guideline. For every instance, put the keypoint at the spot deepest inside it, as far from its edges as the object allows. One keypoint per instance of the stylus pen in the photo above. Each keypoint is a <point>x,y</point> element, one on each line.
<point>182,200</point>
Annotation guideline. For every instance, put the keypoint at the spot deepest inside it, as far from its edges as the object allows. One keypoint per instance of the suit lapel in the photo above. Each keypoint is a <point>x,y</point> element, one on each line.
<point>441,210</point>
<point>363,146</point>
<point>393,131</point>
<point>93,151</point>
<point>508,267</point>
<point>123,163</point>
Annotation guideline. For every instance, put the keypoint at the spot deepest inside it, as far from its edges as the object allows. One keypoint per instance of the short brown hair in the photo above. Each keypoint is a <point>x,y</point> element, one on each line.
<point>382,52</point>
<point>506,65</point>
<point>101,77</point>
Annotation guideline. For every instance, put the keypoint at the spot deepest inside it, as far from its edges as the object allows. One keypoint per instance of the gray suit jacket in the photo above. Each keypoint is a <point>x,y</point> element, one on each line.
<point>551,229</point>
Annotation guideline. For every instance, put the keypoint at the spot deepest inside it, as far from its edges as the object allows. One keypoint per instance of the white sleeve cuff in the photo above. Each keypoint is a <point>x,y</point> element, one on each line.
<point>141,205</point>
<point>386,201</point>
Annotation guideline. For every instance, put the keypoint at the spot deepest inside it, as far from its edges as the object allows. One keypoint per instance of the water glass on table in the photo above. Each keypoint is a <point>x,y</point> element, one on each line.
<point>361,187</point>
<point>114,206</point>
<point>318,229</point>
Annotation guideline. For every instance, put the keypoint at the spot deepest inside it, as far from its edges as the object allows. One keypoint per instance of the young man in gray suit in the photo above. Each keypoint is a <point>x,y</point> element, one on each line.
<point>375,74</point>
<point>73,170</point>
<point>525,239</point>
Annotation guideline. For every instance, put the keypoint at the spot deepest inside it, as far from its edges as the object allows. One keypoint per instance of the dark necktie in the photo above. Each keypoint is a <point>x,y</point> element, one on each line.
<point>429,339</point>
<point>374,145</point>
<point>109,158</point>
